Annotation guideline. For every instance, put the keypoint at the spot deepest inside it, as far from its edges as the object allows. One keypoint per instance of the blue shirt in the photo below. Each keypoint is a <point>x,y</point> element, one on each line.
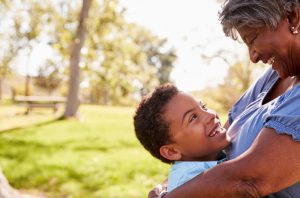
<point>249,115</point>
<point>183,171</point>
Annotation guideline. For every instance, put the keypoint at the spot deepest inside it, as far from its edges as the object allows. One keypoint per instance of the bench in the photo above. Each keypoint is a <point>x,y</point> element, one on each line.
<point>32,102</point>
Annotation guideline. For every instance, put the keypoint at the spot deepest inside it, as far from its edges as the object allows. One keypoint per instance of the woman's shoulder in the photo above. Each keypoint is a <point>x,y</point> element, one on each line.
<point>290,99</point>
<point>259,87</point>
<point>284,114</point>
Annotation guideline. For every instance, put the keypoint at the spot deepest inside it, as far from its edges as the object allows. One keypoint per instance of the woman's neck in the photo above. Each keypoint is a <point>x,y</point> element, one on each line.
<point>281,86</point>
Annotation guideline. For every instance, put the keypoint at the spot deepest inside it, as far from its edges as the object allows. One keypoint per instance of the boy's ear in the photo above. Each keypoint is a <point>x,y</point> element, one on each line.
<point>170,152</point>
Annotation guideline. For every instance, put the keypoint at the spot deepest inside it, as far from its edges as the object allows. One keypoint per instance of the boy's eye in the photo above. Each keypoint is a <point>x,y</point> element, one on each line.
<point>193,117</point>
<point>203,105</point>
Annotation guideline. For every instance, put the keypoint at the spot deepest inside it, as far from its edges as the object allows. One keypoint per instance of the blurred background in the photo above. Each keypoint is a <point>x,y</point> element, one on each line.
<point>72,72</point>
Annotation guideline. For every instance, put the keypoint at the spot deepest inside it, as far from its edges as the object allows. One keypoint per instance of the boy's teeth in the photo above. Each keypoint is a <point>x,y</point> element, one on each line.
<point>212,134</point>
<point>219,129</point>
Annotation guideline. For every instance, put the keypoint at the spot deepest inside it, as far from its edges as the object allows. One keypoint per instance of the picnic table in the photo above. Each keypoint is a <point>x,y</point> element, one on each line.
<point>32,102</point>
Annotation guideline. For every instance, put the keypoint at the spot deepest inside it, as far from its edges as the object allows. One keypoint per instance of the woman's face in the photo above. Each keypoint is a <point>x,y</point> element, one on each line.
<point>278,48</point>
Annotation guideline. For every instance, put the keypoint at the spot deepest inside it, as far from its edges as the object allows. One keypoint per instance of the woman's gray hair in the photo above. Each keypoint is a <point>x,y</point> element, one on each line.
<point>254,13</point>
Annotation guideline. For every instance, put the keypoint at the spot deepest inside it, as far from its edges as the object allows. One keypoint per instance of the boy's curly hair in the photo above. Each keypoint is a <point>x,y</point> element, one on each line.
<point>151,128</point>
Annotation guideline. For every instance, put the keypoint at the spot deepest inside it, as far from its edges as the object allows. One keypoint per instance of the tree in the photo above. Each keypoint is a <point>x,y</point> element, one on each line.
<point>49,77</point>
<point>158,55</point>
<point>239,77</point>
<point>24,21</point>
<point>28,27</point>
<point>122,59</point>
<point>5,61</point>
<point>162,60</point>
<point>72,103</point>
<point>119,59</point>
<point>6,191</point>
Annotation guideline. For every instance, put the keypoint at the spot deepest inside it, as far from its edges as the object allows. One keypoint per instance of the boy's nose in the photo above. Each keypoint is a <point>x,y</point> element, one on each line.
<point>211,115</point>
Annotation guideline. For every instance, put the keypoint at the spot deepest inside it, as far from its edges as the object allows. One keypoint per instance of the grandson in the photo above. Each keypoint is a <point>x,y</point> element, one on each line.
<point>179,130</point>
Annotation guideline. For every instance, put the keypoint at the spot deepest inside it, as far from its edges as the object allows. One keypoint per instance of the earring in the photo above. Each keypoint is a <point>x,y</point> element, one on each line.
<point>294,31</point>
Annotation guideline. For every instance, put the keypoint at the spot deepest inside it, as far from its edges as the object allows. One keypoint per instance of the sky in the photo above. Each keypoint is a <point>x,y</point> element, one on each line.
<point>190,26</point>
<point>193,29</point>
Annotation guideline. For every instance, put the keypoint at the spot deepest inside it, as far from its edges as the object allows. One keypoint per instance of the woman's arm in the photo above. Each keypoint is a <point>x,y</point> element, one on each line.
<point>271,164</point>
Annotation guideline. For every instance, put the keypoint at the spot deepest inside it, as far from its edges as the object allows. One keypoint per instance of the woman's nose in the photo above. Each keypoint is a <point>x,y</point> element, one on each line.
<point>254,56</point>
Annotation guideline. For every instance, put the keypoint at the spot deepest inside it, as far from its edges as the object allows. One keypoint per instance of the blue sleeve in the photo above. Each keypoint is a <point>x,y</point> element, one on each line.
<point>284,114</point>
<point>184,171</point>
<point>193,172</point>
<point>252,93</point>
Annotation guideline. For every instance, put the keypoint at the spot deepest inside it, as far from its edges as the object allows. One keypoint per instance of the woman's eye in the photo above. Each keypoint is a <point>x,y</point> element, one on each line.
<point>253,39</point>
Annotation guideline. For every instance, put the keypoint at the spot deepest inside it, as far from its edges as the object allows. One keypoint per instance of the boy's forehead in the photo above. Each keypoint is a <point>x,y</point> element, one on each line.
<point>186,98</point>
<point>178,105</point>
<point>181,99</point>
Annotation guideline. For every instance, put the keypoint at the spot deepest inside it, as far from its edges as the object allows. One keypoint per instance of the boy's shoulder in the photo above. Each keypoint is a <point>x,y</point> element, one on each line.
<point>189,166</point>
<point>183,171</point>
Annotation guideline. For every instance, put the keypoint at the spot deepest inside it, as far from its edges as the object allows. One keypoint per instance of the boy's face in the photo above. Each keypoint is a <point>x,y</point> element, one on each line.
<point>195,130</point>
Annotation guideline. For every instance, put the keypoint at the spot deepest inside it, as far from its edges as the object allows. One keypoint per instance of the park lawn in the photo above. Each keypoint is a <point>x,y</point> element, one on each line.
<point>96,157</point>
<point>13,117</point>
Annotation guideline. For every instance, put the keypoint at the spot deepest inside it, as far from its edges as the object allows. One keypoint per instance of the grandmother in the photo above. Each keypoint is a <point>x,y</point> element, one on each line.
<point>265,121</point>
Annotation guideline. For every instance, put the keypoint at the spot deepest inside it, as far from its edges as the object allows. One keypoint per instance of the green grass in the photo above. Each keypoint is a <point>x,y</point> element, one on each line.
<point>95,157</point>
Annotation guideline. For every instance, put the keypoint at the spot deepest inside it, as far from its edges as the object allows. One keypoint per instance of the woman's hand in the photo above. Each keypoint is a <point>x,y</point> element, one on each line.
<point>158,190</point>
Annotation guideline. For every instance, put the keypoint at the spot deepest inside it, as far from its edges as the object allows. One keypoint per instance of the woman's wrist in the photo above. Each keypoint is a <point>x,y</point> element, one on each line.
<point>162,194</point>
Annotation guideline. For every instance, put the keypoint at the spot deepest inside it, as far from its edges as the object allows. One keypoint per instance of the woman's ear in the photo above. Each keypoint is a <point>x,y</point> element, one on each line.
<point>170,152</point>
<point>294,20</point>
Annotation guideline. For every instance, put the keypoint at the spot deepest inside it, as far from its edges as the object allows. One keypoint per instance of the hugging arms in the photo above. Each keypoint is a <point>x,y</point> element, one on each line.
<point>265,122</point>
<point>265,167</point>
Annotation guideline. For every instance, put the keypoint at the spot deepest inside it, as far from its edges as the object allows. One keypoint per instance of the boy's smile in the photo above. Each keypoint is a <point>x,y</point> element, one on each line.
<point>218,130</point>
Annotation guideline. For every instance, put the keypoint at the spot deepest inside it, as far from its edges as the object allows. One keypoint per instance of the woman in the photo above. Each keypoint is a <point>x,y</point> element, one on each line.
<point>265,122</point>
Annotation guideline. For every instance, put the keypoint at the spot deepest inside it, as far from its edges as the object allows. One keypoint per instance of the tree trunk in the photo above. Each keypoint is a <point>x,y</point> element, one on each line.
<point>72,103</point>
<point>0,89</point>
<point>6,191</point>
<point>27,84</point>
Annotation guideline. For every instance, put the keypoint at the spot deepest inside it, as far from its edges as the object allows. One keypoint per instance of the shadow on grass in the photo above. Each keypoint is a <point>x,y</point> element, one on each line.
<point>43,123</point>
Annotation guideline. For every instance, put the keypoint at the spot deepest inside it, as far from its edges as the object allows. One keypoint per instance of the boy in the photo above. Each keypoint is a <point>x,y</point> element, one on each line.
<point>177,129</point>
